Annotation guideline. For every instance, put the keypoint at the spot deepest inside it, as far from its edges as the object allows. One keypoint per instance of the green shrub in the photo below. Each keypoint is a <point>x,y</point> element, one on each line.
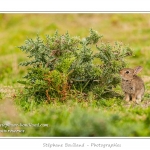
<point>61,64</point>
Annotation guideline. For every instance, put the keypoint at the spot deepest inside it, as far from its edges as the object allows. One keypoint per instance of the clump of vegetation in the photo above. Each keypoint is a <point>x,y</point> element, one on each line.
<point>61,64</point>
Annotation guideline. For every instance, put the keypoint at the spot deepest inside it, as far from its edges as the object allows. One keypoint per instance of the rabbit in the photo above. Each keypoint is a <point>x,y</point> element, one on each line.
<point>132,85</point>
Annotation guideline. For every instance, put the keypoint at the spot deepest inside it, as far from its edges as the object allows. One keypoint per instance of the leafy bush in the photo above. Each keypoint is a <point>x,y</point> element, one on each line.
<point>61,64</point>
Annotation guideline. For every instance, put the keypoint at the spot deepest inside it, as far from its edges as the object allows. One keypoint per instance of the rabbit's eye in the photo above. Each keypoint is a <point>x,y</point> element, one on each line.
<point>127,72</point>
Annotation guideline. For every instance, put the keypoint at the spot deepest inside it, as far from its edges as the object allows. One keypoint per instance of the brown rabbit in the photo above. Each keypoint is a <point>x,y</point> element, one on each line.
<point>132,85</point>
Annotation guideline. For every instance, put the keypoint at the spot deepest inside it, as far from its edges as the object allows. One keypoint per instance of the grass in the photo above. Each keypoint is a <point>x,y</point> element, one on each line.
<point>103,117</point>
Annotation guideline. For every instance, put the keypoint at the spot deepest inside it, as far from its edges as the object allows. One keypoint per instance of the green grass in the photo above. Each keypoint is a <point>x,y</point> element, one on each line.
<point>102,117</point>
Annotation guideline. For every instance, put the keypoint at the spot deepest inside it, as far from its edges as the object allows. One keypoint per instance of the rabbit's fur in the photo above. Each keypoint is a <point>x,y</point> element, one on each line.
<point>132,85</point>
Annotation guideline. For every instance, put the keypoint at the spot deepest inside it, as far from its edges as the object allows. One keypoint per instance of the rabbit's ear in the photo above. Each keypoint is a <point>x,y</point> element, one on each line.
<point>137,70</point>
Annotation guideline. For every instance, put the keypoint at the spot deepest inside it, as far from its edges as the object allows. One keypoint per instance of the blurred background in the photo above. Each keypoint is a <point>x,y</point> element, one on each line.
<point>131,29</point>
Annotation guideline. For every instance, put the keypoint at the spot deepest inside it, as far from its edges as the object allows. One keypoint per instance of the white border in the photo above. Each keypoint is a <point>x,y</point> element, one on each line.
<point>74,6</point>
<point>87,143</point>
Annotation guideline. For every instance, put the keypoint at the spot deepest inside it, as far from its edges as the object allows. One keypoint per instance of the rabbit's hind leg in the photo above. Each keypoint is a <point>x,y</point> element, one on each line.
<point>139,98</point>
